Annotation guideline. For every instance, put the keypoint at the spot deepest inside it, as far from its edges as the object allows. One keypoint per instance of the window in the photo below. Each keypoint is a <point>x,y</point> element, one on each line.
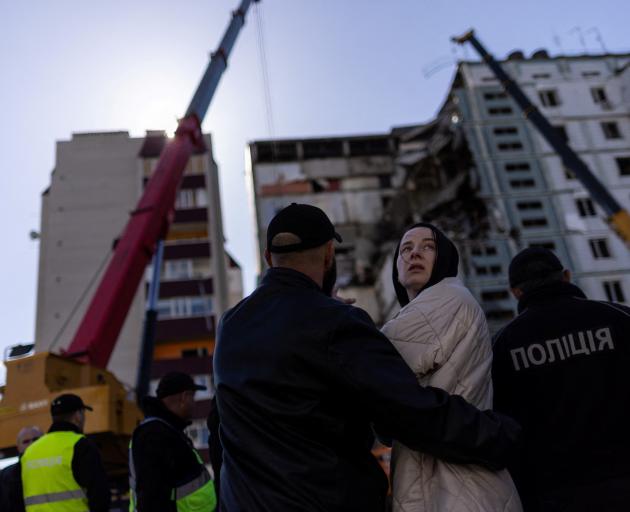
<point>611,130</point>
<point>585,207</point>
<point>599,248</point>
<point>178,269</point>
<point>494,96</point>
<point>488,250</point>
<point>487,270</point>
<point>505,130</point>
<point>549,98</point>
<point>599,95</point>
<point>182,307</point>
<point>613,290</point>
<point>624,165</point>
<point>488,79</point>
<point>545,245</point>
<point>195,352</point>
<point>568,174</point>
<point>494,295</point>
<point>541,76</point>
<point>517,166</point>
<point>497,111</point>
<point>509,146</point>
<point>526,183</point>
<point>529,205</point>
<point>323,148</point>
<point>561,131</point>
<point>534,222</point>
<point>590,74</point>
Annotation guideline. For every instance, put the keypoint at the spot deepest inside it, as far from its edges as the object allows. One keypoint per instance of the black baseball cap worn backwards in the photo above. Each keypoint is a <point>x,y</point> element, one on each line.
<point>309,224</point>
<point>66,404</point>
<point>176,382</point>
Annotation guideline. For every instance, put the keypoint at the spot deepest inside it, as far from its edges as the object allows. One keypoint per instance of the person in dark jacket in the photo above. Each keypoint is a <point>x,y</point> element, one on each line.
<point>300,377</point>
<point>47,474</point>
<point>11,499</point>
<point>166,472</point>
<point>561,369</point>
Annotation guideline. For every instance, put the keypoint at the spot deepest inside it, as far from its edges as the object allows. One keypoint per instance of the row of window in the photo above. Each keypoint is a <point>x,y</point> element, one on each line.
<point>610,129</point>
<point>548,98</point>
<point>183,307</point>
<point>546,76</point>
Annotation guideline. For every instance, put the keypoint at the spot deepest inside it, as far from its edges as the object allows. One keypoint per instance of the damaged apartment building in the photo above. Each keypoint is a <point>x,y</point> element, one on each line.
<point>481,172</point>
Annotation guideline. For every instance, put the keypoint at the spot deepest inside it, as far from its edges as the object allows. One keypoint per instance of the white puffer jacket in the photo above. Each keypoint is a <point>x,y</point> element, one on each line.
<point>443,336</point>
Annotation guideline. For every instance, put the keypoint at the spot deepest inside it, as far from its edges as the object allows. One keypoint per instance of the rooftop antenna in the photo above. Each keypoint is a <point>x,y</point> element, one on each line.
<point>598,37</point>
<point>580,33</point>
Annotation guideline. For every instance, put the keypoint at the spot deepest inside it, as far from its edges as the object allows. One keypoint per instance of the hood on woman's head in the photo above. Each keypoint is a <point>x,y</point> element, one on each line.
<point>445,265</point>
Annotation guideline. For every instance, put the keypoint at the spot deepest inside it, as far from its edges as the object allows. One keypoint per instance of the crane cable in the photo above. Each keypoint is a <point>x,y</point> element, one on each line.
<point>264,70</point>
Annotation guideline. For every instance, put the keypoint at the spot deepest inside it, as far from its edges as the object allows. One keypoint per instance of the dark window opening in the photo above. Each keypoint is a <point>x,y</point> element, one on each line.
<point>599,248</point>
<point>323,149</point>
<point>368,147</point>
<point>585,207</point>
<point>505,130</point>
<point>195,352</point>
<point>611,130</point>
<point>599,95</point>
<point>495,95</point>
<point>509,146</point>
<point>526,183</point>
<point>517,166</point>
<point>276,151</point>
<point>539,76</point>
<point>535,222</point>
<point>529,205</point>
<point>500,314</point>
<point>623,163</point>
<point>613,290</point>
<point>549,98</point>
<point>497,111</point>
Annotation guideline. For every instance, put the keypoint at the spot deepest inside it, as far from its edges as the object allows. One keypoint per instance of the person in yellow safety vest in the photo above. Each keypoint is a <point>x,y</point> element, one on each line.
<point>62,471</point>
<point>165,471</point>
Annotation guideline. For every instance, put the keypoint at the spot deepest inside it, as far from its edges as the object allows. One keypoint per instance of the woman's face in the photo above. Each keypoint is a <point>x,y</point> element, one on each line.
<point>416,259</point>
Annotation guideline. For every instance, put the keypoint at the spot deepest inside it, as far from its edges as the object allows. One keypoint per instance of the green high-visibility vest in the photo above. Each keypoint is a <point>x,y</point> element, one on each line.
<point>197,495</point>
<point>47,479</point>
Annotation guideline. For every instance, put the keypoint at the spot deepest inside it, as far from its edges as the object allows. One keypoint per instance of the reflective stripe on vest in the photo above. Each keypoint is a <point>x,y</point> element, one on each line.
<point>47,479</point>
<point>197,495</point>
<point>54,497</point>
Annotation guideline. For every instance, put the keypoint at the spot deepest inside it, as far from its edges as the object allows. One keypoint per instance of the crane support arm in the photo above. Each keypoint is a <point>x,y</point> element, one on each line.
<point>617,216</point>
<point>100,327</point>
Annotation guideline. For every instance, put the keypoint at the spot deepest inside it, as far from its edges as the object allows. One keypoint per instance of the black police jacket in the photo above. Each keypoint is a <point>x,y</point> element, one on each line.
<point>163,458</point>
<point>300,377</point>
<point>561,368</point>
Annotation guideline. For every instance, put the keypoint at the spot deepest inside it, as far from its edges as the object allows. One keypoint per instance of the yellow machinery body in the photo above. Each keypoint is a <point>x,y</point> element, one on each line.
<point>34,381</point>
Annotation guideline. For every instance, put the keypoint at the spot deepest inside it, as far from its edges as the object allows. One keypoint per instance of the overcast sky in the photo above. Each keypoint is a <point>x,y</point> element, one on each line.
<point>335,67</point>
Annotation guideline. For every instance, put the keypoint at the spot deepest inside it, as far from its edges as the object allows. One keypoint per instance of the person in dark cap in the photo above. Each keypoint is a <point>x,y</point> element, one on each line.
<point>166,472</point>
<point>63,469</point>
<point>561,369</point>
<point>300,378</point>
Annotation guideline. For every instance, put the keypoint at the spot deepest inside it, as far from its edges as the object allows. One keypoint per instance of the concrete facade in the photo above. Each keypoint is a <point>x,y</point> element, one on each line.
<point>97,181</point>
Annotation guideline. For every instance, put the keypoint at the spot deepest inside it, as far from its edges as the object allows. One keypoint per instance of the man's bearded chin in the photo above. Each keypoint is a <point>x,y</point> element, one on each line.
<point>330,278</point>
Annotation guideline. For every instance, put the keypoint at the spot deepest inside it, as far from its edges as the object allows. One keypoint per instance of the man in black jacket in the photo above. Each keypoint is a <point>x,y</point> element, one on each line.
<point>561,369</point>
<point>45,476</point>
<point>165,469</point>
<point>11,499</point>
<point>300,377</point>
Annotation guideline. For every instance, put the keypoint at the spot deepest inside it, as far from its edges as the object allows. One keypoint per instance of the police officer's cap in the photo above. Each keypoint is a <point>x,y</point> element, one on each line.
<point>176,382</point>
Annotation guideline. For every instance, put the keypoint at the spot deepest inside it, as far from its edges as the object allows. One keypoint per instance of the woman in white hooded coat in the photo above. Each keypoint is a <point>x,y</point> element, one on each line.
<point>442,334</point>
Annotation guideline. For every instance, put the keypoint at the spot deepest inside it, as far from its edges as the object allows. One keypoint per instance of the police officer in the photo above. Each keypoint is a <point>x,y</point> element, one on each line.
<point>62,471</point>
<point>166,472</point>
<point>561,370</point>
